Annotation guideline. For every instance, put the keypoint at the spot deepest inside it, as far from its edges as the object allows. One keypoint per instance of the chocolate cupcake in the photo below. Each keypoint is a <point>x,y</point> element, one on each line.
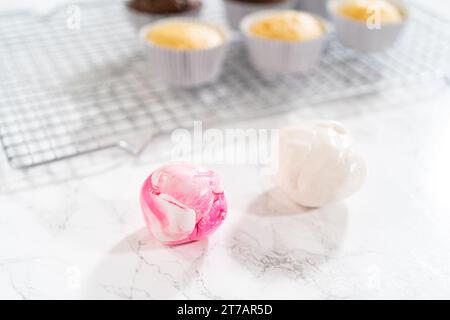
<point>236,10</point>
<point>164,6</point>
<point>142,12</point>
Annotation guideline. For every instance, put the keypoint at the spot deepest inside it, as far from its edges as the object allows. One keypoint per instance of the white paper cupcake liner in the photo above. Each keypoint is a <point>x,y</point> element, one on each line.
<point>236,11</point>
<point>185,68</point>
<point>273,56</point>
<point>318,7</point>
<point>358,36</point>
<point>140,19</point>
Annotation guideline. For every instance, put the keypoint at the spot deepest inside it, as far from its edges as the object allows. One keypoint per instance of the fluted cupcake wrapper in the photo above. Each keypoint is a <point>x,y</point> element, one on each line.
<point>284,57</point>
<point>358,36</point>
<point>236,10</point>
<point>274,56</point>
<point>185,68</point>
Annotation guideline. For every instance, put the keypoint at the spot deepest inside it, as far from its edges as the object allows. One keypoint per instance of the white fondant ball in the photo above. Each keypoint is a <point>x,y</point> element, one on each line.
<point>318,164</point>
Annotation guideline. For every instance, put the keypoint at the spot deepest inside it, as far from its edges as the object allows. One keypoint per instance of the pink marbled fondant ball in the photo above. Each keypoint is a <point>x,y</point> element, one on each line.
<point>183,202</point>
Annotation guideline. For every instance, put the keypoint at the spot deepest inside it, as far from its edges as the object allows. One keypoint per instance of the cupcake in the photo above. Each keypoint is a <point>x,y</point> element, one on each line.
<point>284,41</point>
<point>318,7</point>
<point>142,12</point>
<point>185,51</point>
<point>368,25</point>
<point>236,10</point>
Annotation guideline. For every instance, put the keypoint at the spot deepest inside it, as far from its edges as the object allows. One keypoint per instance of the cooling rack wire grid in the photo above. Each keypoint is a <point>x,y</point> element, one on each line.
<point>66,92</point>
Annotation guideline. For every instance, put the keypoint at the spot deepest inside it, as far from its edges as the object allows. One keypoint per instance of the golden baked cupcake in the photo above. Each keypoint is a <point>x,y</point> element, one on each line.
<point>368,25</point>
<point>185,35</point>
<point>284,41</point>
<point>365,10</point>
<point>185,52</point>
<point>236,10</point>
<point>287,26</point>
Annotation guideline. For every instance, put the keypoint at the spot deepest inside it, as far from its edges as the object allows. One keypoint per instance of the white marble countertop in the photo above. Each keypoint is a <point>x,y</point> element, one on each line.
<point>75,229</point>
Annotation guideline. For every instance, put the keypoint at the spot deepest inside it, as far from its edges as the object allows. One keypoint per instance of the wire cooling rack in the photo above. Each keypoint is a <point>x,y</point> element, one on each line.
<point>67,91</point>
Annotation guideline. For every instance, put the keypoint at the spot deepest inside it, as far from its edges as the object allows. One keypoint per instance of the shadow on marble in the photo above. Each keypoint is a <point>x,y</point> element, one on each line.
<point>289,242</point>
<point>275,203</point>
<point>138,267</point>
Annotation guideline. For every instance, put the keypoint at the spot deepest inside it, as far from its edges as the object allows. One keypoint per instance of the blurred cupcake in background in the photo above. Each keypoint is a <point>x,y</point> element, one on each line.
<point>185,52</point>
<point>368,25</point>
<point>236,10</point>
<point>284,41</point>
<point>142,12</point>
<point>318,7</point>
